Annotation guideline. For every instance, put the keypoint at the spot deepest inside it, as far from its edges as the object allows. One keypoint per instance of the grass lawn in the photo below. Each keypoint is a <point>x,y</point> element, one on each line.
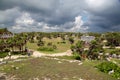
<point>32,46</point>
<point>61,47</point>
<point>110,50</point>
<point>51,69</point>
<point>116,60</point>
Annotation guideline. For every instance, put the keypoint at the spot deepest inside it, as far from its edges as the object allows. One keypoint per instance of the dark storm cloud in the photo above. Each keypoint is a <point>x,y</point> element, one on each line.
<point>60,15</point>
<point>7,16</point>
<point>107,17</point>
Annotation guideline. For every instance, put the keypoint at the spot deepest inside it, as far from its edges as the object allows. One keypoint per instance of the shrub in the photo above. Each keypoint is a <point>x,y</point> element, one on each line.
<point>115,51</point>
<point>106,66</point>
<point>71,40</point>
<point>63,42</point>
<point>109,66</point>
<point>49,44</point>
<point>3,54</point>
<point>72,47</point>
<point>31,41</point>
<point>54,47</point>
<point>7,50</point>
<point>58,42</point>
<point>40,43</point>
<point>76,56</point>
<point>45,49</point>
<point>18,53</point>
<point>24,53</point>
<point>15,53</point>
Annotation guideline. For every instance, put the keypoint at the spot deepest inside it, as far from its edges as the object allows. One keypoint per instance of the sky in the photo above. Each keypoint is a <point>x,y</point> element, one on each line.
<point>60,15</point>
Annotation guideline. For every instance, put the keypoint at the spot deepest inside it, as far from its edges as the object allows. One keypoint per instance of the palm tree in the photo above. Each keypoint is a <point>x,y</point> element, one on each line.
<point>10,43</point>
<point>94,50</point>
<point>71,40</point>
<point>78,48</point>
<point>113,39</point>
<point>2,45</point>
<point>21,42</point>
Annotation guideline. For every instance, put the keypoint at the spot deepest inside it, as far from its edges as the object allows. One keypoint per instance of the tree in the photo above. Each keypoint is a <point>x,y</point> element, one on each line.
<point>113,39</point>
<point>78,49</point>
<point>71,40</point>
<point>94,50</point>
<point>40,43</point>
<point>2,45</point>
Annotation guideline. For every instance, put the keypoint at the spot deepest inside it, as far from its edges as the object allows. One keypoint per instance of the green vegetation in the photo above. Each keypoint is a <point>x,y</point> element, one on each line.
<point>71,40</point>
<point>113,39</point>
<point>73,57</point>
<point>3,54</point>
<point>66,57</point>
<point>93,50</point>
<point>110,50</point>
<point>76,56</point>
<point>18,53</point>
<point>91,53</point>
<point>56,44</point>
<point>45,49</point>
<point>17,42</point>
<point>107,67</point>
<point>42,68</point>
<point>33,46</point>
<point>4,30</point>
<point>116,60</point>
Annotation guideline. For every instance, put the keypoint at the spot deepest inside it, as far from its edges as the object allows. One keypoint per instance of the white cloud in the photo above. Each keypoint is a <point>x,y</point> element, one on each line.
<point>96,3</point>
<point>25,19</point>
<point>100,5</point>
<point>78,22</point>
<point>46,27</point>
<point>26,23</point>
<point>23,23</point>
<point>78,25</point>
<point>17,27</point>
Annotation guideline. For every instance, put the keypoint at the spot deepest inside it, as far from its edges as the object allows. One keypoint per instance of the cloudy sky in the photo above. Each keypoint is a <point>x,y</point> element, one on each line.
<point>60,15</point>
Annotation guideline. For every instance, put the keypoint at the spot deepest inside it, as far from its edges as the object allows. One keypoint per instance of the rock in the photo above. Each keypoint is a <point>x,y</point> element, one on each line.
<point>17,68</point>
<point>80,79</point>
<point>47,78</point>
<point>59,62</point>
<point>1,59</point>
<point>80,63</point>
<point>108,59</point>
<point>111,72</point>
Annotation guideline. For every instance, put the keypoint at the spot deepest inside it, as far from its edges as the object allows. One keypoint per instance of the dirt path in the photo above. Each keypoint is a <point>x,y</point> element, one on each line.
<point>35,54</point>
<point>39,54</point>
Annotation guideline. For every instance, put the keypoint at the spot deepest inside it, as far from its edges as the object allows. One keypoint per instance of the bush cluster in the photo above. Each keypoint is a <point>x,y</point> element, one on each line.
<point>76,56</point>
<point>46,49</point>
<point>115,51</point>
<point>3,54</point>
<point>18,53</point>
<point>106,67</point>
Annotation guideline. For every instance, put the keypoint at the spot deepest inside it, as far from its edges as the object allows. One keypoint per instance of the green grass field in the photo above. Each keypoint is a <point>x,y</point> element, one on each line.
<point>61,47</point>
<point>110,50</point>
<point>51,69</point>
